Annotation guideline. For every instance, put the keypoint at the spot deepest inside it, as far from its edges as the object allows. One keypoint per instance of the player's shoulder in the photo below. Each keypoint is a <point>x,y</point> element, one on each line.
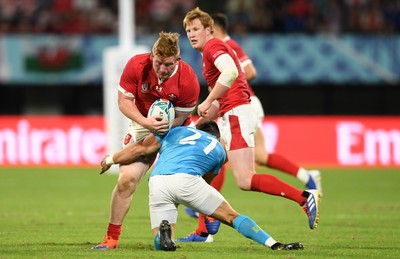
<point>213,43</point>
<point>233,44</point>
<point>185,67</point>
<point>214,48</point>
<point>142,56</point>
<point>139,59</point>
<point>187,75</point>
<point>137,65</point>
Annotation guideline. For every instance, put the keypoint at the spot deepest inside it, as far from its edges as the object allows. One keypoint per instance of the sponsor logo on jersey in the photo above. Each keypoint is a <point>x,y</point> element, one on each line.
<point>172,97</point>
<point>158,88</point>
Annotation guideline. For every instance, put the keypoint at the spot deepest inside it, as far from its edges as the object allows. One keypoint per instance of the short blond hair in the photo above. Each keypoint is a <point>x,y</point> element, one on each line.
<point>197,13</point>
<point>167,45</point>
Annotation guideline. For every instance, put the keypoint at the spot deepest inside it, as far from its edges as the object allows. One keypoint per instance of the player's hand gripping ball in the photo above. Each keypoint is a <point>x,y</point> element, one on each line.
<point>164,108</point>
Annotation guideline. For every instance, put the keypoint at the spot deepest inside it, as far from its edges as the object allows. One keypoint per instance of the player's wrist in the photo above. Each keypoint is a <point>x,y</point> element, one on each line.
<point>109,160</point>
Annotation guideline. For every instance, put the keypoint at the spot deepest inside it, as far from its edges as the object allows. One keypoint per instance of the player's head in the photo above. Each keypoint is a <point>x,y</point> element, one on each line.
<point>165,54</point>
<point>210,127</point>
<point>221,25</point>
<point>198,26</point>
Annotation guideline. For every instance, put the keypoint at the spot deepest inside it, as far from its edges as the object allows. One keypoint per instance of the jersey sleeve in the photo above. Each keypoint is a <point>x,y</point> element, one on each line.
<point>216,49</point>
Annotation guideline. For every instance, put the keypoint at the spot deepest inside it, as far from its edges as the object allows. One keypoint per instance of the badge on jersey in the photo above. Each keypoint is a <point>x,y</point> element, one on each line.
<point>145,87</point>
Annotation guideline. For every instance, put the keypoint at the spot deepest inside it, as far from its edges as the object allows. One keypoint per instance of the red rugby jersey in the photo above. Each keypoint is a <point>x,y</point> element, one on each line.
<point>241,54</point>
<point>139,79</point>
<point>239,92</point>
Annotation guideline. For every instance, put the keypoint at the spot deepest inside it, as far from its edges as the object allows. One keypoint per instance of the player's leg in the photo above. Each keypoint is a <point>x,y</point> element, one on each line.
<point>260,150</point>
<point>121,198</point>
<point>207,225</point>
<point>208,204</point>
<point>238,128</point>
<point>163,212</point>
<point>261,153</point>
<point>270,184</point>
<point>244,173</point>
<point>129,178</point>
<point>247,227</point>
<point>217,183</point>
<point>311,178</point>
<point>197,197</point>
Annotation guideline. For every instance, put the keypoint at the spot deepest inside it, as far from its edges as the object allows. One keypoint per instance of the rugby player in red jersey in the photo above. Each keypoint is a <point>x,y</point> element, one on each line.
<point>146,78</point>
<point>229,99</point>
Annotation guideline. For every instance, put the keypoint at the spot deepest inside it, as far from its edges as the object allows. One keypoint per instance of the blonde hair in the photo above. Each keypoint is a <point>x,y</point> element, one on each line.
<point>197,13</point>
<point>167,45</point>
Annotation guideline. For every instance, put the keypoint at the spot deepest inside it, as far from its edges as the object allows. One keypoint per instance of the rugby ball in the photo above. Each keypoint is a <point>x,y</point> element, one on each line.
<point>164,108</point>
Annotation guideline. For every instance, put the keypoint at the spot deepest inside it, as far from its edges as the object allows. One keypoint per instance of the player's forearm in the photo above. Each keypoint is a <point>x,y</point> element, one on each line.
<point>212,114</point>
<point>217,92</point>
<point>133,151</point>
<point>180,118</point>
<point>123,157</point>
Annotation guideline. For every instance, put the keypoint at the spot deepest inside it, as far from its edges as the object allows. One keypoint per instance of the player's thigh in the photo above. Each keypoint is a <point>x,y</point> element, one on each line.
<point>242,166</point>
<point>197,194</point>
<point>134,172</point>
<point>162,204</point>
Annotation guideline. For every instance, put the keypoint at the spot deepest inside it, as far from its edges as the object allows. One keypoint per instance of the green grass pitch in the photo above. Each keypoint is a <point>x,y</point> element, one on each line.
<point>62,213</point>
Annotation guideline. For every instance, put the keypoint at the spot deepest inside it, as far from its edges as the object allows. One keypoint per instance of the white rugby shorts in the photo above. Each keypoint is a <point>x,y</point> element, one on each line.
<point>238,127</point>
<point>166,192</point>
<point>135,133</point>
<point>258,109</point>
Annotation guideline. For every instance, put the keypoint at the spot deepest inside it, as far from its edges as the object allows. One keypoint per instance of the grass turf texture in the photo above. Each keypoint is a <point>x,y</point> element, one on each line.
<point>62,213</point>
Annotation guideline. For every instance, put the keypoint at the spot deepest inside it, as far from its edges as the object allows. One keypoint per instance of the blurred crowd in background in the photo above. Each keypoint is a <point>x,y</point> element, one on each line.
<point>246,16</point>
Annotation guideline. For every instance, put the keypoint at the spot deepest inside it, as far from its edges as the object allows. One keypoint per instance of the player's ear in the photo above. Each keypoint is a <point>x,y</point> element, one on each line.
<point>151,56</point>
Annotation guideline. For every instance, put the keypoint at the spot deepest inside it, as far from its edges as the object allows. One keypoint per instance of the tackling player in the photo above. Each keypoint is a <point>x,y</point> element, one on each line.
<point>146,78</point>
<point>189,157</point>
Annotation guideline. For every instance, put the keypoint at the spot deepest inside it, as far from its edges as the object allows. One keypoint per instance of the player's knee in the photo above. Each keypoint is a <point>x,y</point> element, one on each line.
<point>124,185</point>
<point>127,183</point>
